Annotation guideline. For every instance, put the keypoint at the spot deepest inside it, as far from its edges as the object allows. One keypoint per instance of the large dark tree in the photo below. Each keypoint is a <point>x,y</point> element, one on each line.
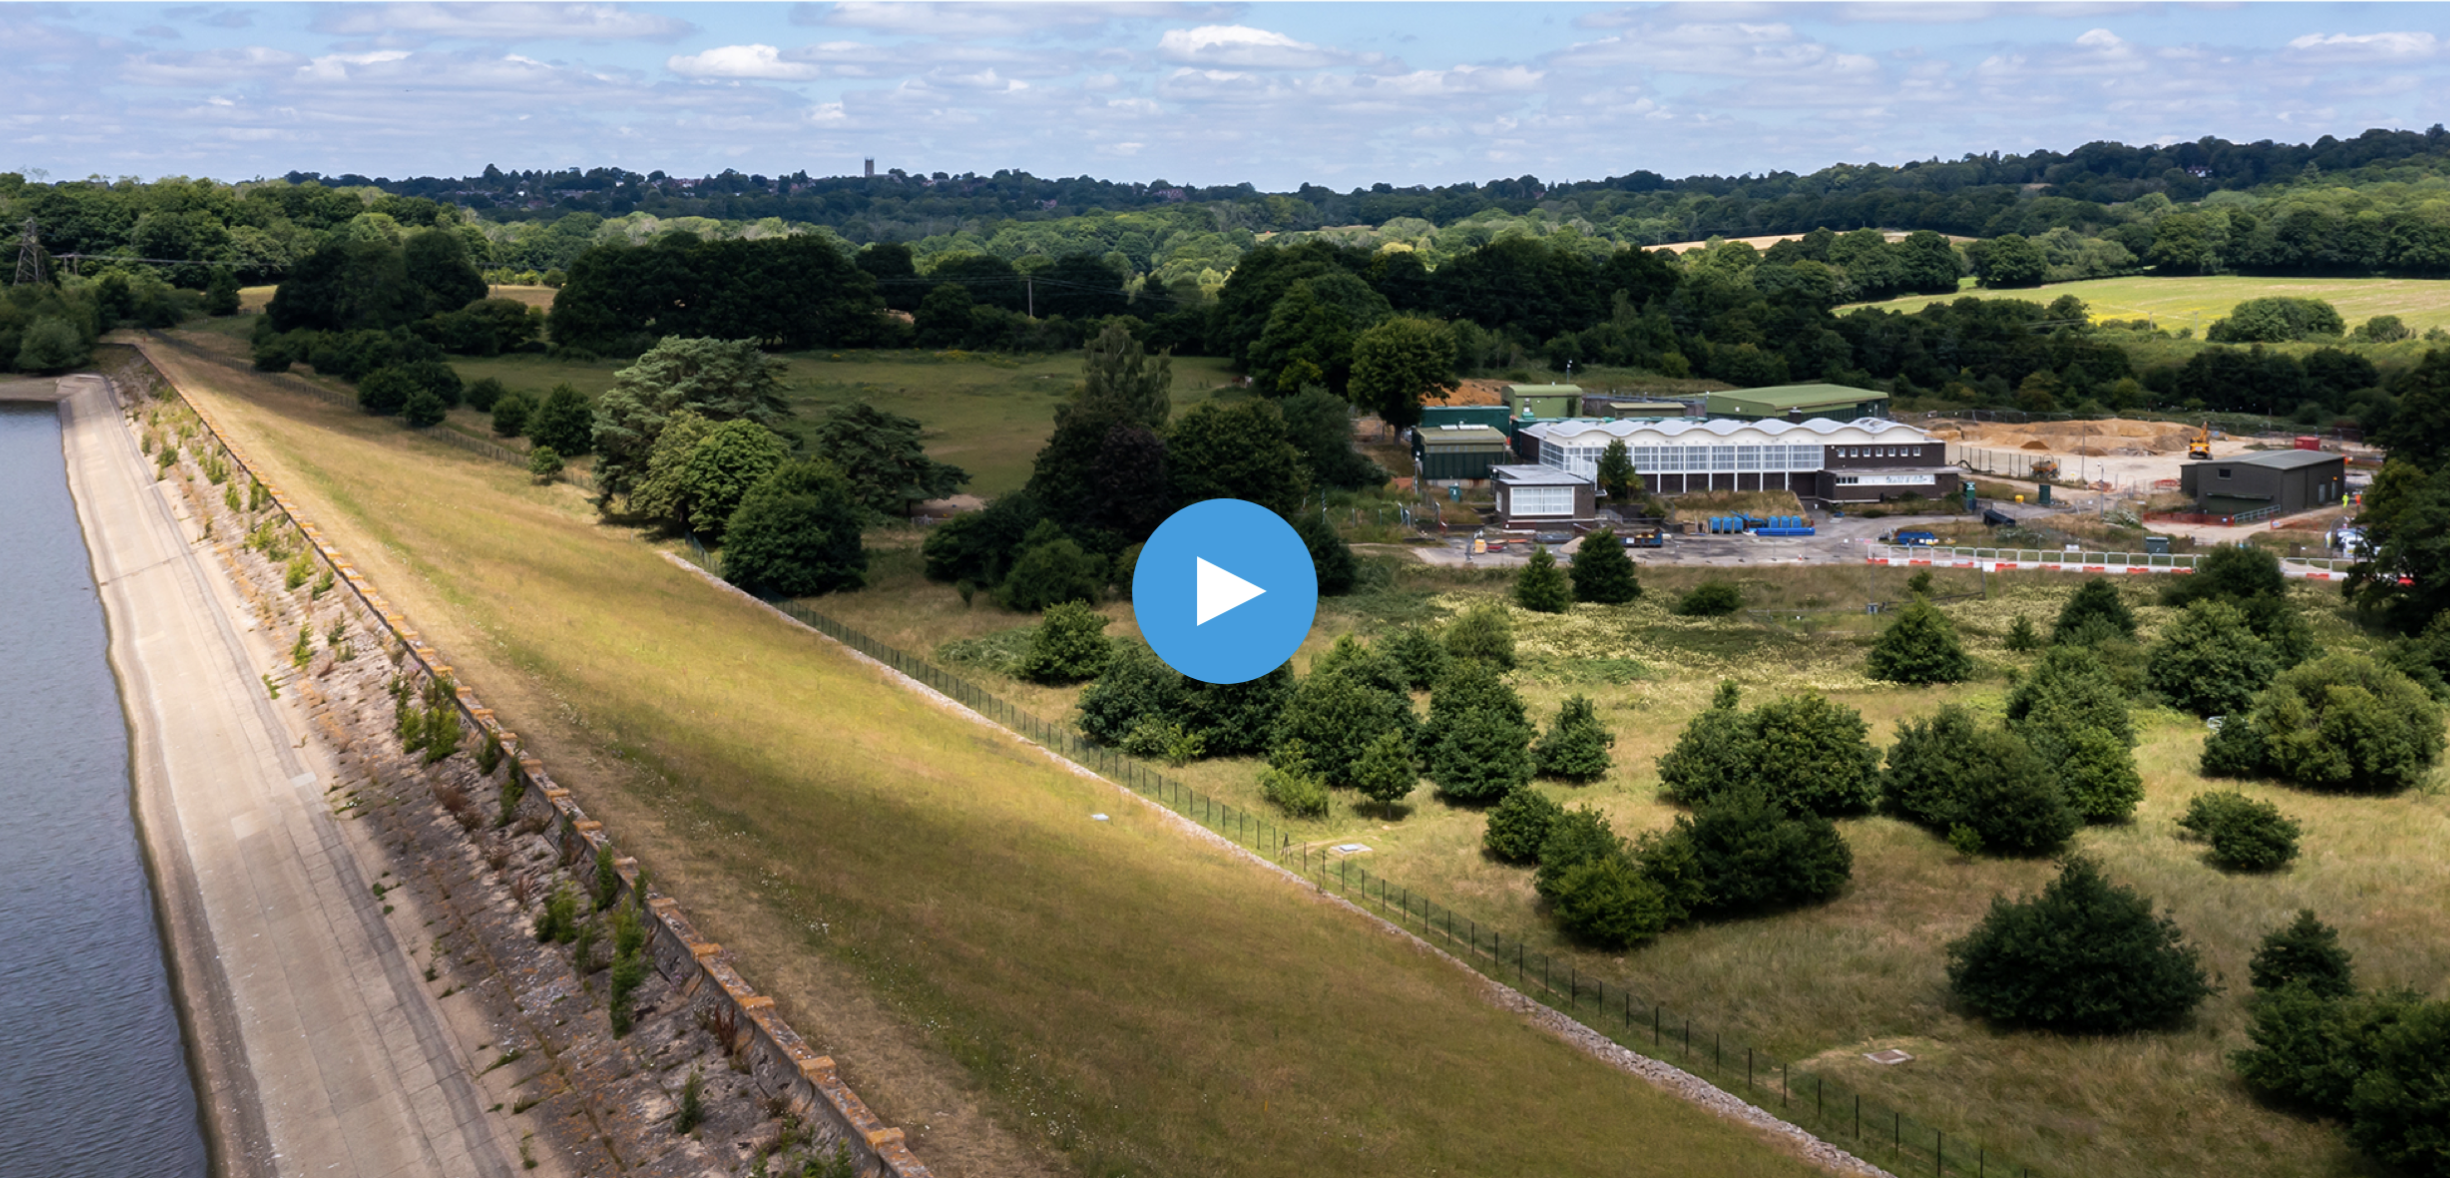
<point>781,292</point>
<point>796,534</point>
<point>880,454</point>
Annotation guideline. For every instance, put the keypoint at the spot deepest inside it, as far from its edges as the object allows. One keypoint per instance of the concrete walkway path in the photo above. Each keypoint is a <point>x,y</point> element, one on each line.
<point>323,1052</point>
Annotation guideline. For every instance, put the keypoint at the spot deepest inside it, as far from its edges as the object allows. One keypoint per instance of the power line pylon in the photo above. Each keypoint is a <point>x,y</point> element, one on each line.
<point>30,268</point>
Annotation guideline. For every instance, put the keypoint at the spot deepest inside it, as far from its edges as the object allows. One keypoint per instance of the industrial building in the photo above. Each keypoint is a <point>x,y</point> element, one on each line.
<point>1443,453</point>
<point>1543,402</point>
<point>1797,402</point>
<point>1860,461</point>
<point>2282,482</point>
<point>1533,495</point>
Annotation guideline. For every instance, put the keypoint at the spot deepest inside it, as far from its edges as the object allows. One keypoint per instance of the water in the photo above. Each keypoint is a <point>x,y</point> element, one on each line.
<point>93,1077</point>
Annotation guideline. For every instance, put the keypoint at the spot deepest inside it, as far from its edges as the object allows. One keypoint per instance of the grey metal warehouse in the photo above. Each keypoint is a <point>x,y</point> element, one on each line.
<point>2283,481</point>
<point>1865,460</point>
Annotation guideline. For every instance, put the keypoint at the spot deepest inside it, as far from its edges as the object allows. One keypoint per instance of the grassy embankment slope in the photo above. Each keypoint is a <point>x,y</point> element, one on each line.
<point>1868,971</point>
<point>2198,301</point>
<point>930,898</point>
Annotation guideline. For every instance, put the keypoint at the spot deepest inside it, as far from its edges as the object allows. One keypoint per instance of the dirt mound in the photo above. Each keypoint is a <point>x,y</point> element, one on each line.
<point>2097,437</point>
<point>1474,391</point>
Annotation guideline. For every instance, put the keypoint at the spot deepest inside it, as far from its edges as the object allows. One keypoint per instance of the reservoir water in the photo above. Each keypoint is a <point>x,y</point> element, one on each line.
<point>93,1075</point>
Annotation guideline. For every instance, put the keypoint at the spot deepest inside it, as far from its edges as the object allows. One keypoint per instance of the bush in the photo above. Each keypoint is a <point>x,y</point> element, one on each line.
<point>1134,686</point>
<point>1518,826</point>
<point>52,344</point>
<point>1985,789</point>
<point>1815,756</point>
<point>1052,568</point>
<point>1484,632</point>
<point>2070,688</point>
<point>2095,605</point>
<point>2310,1051</point>
<point>1330,557</point>
<point>796,534</point>
<point>2084,956</point>
<point>1385,772</point>
<point>386,391</point>
<point>1607,902</point>
<point>484,393</point>
<point>1602,572</point>
<point>1336,714</point>
<point>1755,855</point>
<point>424,410</point>
<point>1293,783</point>
<point>1576,746</point>
<point>2305,953</point>
<point>1476,745</point>
<point>2346,723</point>
<point>2244,834</point>
<point>1069,646</point>
<point>544,464</point>
<point>2022,638</point>
<point>564,421</point>
<point>1919,647</point>
<point>1713,755</point>
<point>1541,587</point>
<point>2095,770</point>
<point>1710,599</point>
<point>2399,1110</point>
<point>2209,661</point>
<point>1417,650</point>
<point>1575,837</point>
<point>2234,749</point>
<point>511,414</point>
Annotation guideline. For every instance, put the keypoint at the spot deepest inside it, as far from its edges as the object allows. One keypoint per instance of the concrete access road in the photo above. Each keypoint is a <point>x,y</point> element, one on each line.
<point>322,1050</point>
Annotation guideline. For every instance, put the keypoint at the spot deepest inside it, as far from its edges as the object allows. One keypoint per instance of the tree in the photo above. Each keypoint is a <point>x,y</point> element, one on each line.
<point>2407,521</point>
<point>2312,1051</point>
<point>1919,647</point>
<point>1755,855</point>
<point>880,454</point>
<point>1417,651</point>
<point>1616,476</point>
<point>1602,572</point>
<point>2419,432</point>
<point>1052,568</point>
<point>1385,772</point>
<point>1293,781</point>
<point>423,409</point>
<point>796,534</point>
<point>385,391</point>
<point>2096,770</point>
<point>2022,638</point>
<point>2249,579</point>
<point>701,470</point>
<point>2276,320</point>
<point>1713,755</point>
<point>1311,331</point>
<point>719,380</point>
<point>2070,688</point>
<point>1337,714</point>
<point>1710,599</point>
<point>221,294</point>
<point>1541,587</point>
<point>484,393</point>
<point>511,413</point>
<point>1320,426</point>
<point>2346,723</point>
<point>2085,956</point>
<point>544,464</point>
<point>1331,559</point>
<point>52,344</point>
<point>2096,603</point>
<point>1982,787</point>
<point>565,421</point>
<point>1575,748</point>
<point>2010,260</point>
<point>2209,661</point>
<point>1575,837</point>
<point>1518,824</point>
<point>1235,450</point>
<point>1476,744</point>
<point>1483,632</point>
<point>1608,902</point>
<point>1398,361</point>
<point>1070,645</point>
<point>2400,1105</point>
<point>2305,953</point>
<point>1117,371</point>
<point>1814,756</point>
<point>1133,686</point>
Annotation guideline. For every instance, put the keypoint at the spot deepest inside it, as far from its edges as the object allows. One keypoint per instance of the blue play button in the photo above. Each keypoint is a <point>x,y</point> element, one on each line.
<point>1224,591</point>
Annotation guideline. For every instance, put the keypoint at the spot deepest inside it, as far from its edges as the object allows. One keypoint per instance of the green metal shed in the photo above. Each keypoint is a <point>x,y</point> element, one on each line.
<point>1798,402</point>
<point>1543,402</point>
<point>1458,451</point>
<point>1494,416</point>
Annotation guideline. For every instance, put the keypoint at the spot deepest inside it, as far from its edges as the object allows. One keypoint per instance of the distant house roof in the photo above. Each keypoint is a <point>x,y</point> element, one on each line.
<point>2278,459</point>
<point>1536,476</point>
<point>1786,398</point>
<point>1849,432</point>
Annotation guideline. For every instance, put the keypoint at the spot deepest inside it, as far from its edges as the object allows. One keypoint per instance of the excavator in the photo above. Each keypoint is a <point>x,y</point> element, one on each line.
<point>2199,447</point>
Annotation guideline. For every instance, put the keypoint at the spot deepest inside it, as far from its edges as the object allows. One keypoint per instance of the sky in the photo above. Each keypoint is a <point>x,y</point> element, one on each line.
<point>1278,95</point>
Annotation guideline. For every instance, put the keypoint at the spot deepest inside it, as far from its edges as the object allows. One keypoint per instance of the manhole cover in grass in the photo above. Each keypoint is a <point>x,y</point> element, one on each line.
<point>1350,848</point>
<point>1890,1056</point>
<point>1097,818</point>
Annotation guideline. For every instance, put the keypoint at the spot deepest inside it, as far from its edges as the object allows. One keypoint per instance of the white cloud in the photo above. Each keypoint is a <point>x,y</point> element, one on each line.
<point>334,67</point>
<point>987,18</point>
<point>1244,47</point>
<point>499,22</point>
<point>2365,47</point>
<point>210,67</point>
<point>741,61</point>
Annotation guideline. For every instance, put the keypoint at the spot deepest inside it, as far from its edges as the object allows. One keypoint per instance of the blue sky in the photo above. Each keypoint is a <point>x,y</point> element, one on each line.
<point>1276,94</point>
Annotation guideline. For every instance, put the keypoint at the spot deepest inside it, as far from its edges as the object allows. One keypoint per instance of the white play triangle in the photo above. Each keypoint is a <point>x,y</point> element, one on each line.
<point>1220,591</point>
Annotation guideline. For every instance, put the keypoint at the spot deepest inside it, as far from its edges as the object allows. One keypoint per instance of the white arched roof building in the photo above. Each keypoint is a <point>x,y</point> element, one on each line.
<point>1866,459</point>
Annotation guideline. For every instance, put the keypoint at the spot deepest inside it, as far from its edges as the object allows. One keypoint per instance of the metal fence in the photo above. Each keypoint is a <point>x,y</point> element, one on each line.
<point>2035,558</point>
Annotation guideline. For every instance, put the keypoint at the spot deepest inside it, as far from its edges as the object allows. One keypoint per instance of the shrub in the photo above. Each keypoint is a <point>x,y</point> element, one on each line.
<point>1919,647</point>
<point>2234,749</point>
<point>1815,756</point>
<point>1476,745</point>
<point>1385,772</point>
<point>511,413</point>
<point>2096,771</point>
<point>2022,638</point>
<point>2084,956</point>
<point>1710,599</point>
<point>2070,688</point>
<point>1052,568</point>
<point>1293,783</point>
<point>1336,715</point>
<point>544,464</point>
<point>1518,825</point>
<point>693,1103</point>
<point>484,393</point>
<point>1417,650</point>
<point>1713,755</point>
<point>1602,572</point>
<point>1541,587</point>
<point>424,409</point>
<point>386,391</point>
<point>1576,746</point>
<point>1755,855</point>
<point>2399,1110</point>
<point>565,421</point>
<point>2095,604</point>
<point>1575,837</point>
<point>2304,953</point>
<point>2310,1050</point>
<point>1484,632</point>
<point>796,534</point>
<point>1607,902</point>
<point>2209,661</point>
<point>559,921</point>
<point>2346,723</point>
<point>1984,789</point>
<point>1069,646</point>
<point>1164,740</point>
<point>2244,834</point>
<point>1330,557</point>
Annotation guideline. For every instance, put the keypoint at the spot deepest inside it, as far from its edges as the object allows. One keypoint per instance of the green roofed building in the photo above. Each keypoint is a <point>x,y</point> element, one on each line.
<point>1798,402</point>
<point>1448,452</point>
<point>1543,402</point>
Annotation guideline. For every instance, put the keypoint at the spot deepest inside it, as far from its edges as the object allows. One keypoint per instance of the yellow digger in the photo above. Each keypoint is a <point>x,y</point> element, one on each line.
<point>2199,447</point>
<point>2045,469</point>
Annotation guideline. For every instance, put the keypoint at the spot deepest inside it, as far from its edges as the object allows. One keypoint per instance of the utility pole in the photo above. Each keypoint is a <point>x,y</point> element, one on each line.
<point>1029,292</point>
<point>29,257</point>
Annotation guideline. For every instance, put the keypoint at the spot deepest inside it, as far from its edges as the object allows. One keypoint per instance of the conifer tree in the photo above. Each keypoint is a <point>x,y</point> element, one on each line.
<point>1541,586</point>
<point>1602,571</point>
<point>1576,745</point>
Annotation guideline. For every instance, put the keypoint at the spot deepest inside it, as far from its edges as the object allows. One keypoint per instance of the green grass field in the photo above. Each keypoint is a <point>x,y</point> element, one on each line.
<point>1866,972</point>
<point>2197,302</point>
<point>1024,989</point>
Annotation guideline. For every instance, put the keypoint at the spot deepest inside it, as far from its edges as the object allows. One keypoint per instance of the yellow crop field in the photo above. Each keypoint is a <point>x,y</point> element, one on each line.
<point>2196,302</point>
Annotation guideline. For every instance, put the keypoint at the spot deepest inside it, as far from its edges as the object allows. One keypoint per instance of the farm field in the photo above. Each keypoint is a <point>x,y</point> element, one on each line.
<point>1828,984</point>
<point>2196,302</point>
<point>1025,990</point>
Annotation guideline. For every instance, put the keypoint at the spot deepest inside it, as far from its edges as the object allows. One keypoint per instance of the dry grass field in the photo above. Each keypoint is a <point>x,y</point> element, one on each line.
<point>1023,988</point>
<point>2196,302</point>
